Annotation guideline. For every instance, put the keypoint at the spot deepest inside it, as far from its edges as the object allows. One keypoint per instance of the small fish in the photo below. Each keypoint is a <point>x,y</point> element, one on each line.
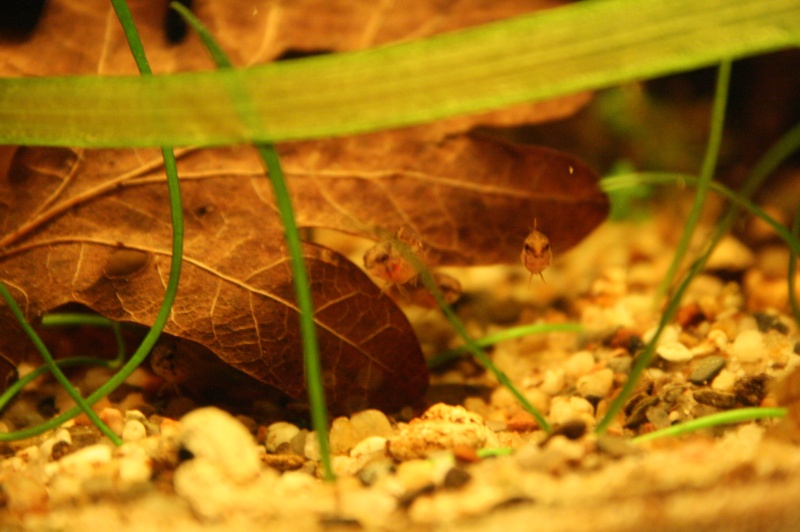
<point>386,261</point>
<point>536,254</point>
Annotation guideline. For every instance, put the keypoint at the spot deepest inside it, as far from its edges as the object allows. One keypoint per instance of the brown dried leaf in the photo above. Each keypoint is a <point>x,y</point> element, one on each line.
<point>473,200</point>
<point>104,242</point>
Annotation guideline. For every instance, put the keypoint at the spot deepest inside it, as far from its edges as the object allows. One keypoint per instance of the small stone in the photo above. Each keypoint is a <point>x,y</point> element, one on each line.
<point>311,449</point>
<point>567,409</point>
<point>416,474</point>
<point>82,462</point>
<point>724,381</point>
<point>298,442</point>
<point>375,470</point>
<point>456,477</point>
<point>135,467</point>
<point>114,419</point>
<point>596,384</point>
<point>24,494</point>
<point>371,422</point>
<point>748,346</point>
<point>706,369</point>
<point>553,381</point>
<point>134,431</point>
<point>284,462</point>
<point>342,436</point>
<point>716,399</point>
<point>579,364</point>
<point>441,427</point>
<point>616,446</point>
<point>216,435</point>
<point>752,389</point>
<point>730,255</point>
<point>674,352</point>
<point>279,433</point>
<point>373,445</point>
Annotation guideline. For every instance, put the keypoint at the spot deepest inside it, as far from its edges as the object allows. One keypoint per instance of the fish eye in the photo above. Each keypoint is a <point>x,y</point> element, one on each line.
<point>527,247</point>
<point>382,258</point>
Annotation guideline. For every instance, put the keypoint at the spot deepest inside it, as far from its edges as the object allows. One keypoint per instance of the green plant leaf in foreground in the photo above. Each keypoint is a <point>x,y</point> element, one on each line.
<point>583,46</point>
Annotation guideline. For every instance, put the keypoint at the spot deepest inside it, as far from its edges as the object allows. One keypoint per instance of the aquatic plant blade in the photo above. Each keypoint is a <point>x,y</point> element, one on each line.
<point>583,46</point>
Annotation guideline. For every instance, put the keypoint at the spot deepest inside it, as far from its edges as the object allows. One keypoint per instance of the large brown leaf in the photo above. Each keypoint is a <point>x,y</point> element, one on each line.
<point>110,251</point>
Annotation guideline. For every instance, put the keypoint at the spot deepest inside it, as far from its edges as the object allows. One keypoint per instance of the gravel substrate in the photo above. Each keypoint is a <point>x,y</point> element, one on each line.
<point>730,345</point>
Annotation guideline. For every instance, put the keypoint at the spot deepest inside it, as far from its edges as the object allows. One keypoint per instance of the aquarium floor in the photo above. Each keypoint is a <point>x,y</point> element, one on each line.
<point>183,468</point>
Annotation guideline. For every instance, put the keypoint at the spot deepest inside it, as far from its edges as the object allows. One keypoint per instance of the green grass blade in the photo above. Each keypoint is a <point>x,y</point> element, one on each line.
<point>706,176</point>
<point>507,334</point>
<point>311,362</point>
<point>83,405</point>
<point>740,415</point>
<point>793,257</point>
<point>586,45</point>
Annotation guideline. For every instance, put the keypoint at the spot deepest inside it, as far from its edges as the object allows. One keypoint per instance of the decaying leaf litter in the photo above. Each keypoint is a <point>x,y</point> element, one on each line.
<point>332,203</point>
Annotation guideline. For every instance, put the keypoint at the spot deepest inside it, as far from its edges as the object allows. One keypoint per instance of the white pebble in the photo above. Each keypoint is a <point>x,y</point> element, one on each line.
<point>135,468</point>
<point>564,409</point>
<point>597,384</point>
<point>211,433</point>
<point>369,446</point>
<point>748,346</point>
<point>579,364</point>
<point>134,430</point>
<point>82,461</point>
<point>279,433</point>
<point>674,352</point>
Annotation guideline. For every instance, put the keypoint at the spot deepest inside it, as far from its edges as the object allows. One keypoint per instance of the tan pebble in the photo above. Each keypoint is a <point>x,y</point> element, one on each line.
<point>416,474</point>
<point>342,436</point>
<point>724,381</point>
<point>216,435</point>
<point>730,255</point>
<point>440,427</point>
<point>566,409</point>
<point>748,346</point>
<point>373,445</point>
<point>298,442</point>
<point>134,431</point>
<point>674,352</point>
<point>114,419</point>
<point>311,447</point>
<point>579,364</point>
<point>24,493</point>
<point>371,422</point>
<point>344,466</point>
<point>597,384</point>
<point>279,433</point>
<point>553,381</point>
<point>284,462</point>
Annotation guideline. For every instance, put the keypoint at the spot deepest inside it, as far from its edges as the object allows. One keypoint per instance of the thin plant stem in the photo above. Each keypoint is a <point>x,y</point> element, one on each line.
<point>507,334</point>
<point>85,407</point>
<point>70,319</point>
<point>461,330</point>
<point>176,214</point>
<point>737,199</point>
<point>739,415</point>
<point>706,176</point>
<point>793,257</point>
<point>313,370</point>
<point>788,143</point>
